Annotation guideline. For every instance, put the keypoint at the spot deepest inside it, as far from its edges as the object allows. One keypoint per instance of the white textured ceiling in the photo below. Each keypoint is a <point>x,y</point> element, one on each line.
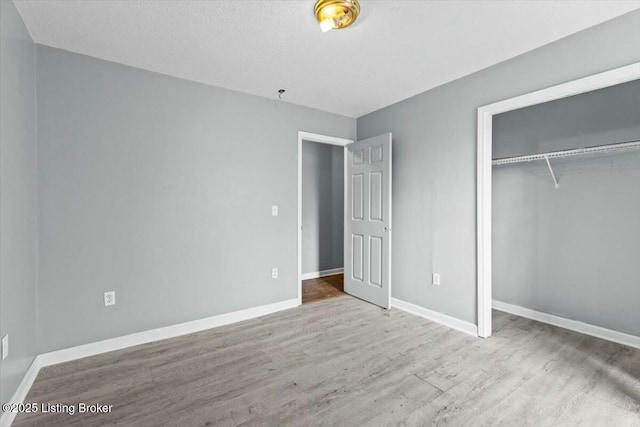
<point>395,50</point>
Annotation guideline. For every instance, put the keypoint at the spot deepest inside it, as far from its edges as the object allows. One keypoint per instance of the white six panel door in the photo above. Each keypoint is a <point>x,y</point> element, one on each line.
<point>367,263</point>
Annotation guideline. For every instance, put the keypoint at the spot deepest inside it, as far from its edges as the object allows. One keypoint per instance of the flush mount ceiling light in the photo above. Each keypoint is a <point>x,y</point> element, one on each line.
<point>336,14</point>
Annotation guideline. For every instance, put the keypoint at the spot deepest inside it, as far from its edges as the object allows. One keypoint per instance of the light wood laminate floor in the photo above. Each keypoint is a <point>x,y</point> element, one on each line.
<point>343,362</point>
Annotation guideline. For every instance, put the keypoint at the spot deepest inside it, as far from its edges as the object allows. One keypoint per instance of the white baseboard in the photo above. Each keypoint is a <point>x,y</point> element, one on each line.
<point>6,418</point>
<point>105,346</point>
<point>172,331</point>
<point>316,274</point>
<point>451,322</point>
<point>574,325</point>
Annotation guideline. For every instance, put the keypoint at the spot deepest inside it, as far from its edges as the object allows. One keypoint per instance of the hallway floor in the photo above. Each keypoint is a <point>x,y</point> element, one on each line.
<point>322,288</point>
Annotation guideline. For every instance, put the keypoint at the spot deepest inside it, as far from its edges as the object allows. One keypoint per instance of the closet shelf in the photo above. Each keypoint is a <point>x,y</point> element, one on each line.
<point>624,146</point>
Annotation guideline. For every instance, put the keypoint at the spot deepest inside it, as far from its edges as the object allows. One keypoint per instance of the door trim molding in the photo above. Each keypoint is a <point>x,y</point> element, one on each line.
<point>323,139</point>
<point>484,154</point>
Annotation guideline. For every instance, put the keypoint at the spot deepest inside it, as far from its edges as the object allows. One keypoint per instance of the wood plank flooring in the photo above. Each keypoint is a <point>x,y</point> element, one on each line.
<point>343,362</point>
<point>322,288</point>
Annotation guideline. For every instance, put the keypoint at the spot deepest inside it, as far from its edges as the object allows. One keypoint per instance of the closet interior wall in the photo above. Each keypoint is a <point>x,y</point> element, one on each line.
<point>572,251</point>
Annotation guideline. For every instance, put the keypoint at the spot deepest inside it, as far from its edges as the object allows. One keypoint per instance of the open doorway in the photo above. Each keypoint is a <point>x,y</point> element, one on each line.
<point>321,195</point>
<point>322,221</point>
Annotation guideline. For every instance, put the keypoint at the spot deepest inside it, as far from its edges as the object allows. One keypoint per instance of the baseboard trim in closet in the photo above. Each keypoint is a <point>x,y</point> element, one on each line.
<point>573,325</point>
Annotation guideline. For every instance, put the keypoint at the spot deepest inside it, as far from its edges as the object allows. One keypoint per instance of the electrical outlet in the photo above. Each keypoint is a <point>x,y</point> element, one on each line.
<point>274,210</point>
<point>274,273</point>
<point>435,279</point>
<point>110,298</point>
<point>5,346</point>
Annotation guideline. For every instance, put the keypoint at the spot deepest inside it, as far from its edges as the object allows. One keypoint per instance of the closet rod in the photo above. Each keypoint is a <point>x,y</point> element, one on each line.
<point>624,146</point>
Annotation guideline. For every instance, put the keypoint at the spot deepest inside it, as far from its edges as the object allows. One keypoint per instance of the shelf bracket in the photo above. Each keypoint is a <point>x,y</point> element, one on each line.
<point>555,181</point>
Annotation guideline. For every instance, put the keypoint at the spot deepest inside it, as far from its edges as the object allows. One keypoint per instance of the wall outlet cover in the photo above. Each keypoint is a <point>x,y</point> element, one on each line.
<point>435,279</point>
<point>274,210</point>
<point>274,273</point>
<point>110,298</point>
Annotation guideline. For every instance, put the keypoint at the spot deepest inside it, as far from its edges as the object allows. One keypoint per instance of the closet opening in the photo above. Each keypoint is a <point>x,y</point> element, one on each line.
<point>566,210</point>
<point>558,207</point>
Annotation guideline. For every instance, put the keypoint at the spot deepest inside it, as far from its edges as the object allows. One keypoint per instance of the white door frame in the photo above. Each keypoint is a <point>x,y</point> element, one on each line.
<point>485,142</point>
<point>323,139</point>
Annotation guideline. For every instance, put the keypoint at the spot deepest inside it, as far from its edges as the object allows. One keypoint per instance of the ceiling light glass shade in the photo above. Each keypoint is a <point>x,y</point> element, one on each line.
<point>336,14</point>
<point>326,25</point>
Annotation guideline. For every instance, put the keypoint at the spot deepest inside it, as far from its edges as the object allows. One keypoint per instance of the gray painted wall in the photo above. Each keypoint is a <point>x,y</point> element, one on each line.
<point>574,251</point>
<point>322,207</point>
<point>604,116</point>
<point>17,198</point>
<point>161,190</point>
<point>434,183</point>
<point>158,188</point>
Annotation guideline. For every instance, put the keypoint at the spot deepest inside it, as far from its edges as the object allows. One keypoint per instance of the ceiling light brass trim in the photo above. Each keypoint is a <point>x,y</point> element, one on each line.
<point>341,13</point>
